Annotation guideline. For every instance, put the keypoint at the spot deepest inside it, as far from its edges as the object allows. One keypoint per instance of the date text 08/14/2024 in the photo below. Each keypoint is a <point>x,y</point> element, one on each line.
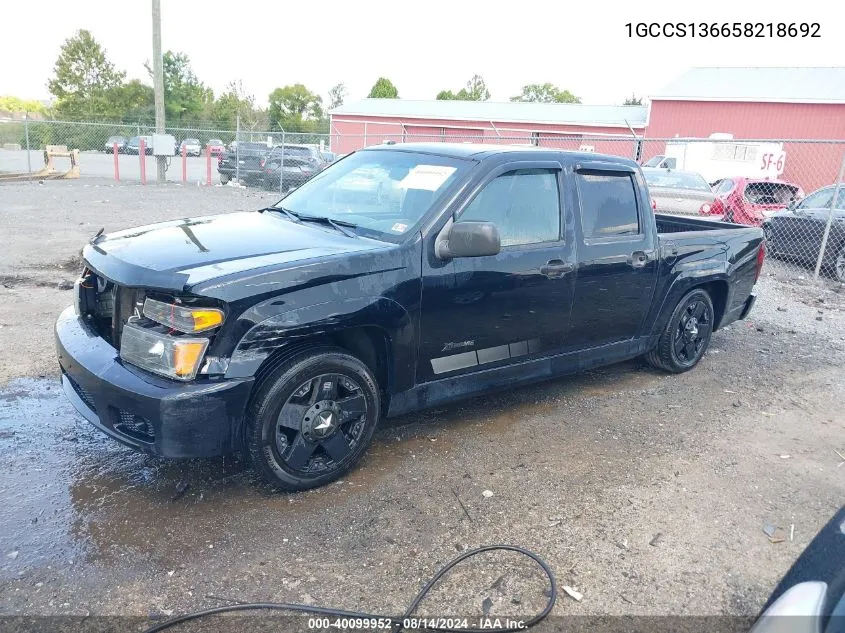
<point>724,29</point>
<point>412,623</point>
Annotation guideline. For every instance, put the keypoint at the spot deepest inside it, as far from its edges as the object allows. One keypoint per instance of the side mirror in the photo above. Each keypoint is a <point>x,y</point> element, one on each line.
<point>468,239</point>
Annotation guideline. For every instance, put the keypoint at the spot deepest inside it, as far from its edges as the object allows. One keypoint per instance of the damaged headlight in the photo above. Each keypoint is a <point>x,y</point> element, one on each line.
<point>183,318</point>
<point>172,356</point>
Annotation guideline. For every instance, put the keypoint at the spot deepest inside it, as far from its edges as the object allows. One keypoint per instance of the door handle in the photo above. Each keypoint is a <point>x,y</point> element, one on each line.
<point>556,268</point>
<point>640,258</point>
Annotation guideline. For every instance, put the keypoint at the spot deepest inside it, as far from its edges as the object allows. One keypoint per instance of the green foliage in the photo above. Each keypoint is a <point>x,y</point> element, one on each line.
<point>186,98</point>
<point>545,93</point>
<point>476,90</point>
<point>15,105</point>
<point>336,96</point>
<point>135,102</point>
<point>633,100</point>
<point>383,89</point>
<point>83,78</point>
<point>295,109</point>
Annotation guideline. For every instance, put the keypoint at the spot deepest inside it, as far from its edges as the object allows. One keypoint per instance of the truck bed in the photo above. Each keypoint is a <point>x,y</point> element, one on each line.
<point>682,224</point>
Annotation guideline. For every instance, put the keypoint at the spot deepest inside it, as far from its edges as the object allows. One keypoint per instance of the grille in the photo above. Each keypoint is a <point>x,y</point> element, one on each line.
<point>135,426</point>
<point>83,394</point>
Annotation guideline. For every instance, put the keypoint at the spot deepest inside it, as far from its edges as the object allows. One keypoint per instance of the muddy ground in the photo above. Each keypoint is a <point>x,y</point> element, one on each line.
<point>647,492</point>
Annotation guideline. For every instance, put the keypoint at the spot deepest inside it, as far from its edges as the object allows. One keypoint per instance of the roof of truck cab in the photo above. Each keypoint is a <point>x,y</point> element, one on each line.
<point>480,151</point>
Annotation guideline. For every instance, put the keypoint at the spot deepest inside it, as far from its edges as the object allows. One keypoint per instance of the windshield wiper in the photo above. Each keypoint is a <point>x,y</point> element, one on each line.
<point>336,224</point>
<point>299,218</point>
<point>293,216</point>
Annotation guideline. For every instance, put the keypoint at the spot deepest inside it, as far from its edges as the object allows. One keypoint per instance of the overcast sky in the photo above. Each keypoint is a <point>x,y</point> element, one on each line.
<point>422,46</point>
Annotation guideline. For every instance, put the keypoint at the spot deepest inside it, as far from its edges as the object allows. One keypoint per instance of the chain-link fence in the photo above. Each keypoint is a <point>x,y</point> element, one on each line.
<point>791,188</point>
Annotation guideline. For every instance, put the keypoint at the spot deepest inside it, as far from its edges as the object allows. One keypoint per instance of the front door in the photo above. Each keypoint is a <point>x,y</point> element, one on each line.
<point>483,312</point>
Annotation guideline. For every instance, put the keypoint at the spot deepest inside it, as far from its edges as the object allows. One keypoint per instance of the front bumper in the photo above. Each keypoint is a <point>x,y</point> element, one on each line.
<point>146,412</point>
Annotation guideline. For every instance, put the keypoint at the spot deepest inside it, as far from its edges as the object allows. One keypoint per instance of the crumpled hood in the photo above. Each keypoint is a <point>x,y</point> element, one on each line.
<point>172,255</point>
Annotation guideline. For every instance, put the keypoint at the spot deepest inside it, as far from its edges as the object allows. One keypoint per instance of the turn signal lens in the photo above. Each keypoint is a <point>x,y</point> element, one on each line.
<point>186,357</point>
<point>183,318</point>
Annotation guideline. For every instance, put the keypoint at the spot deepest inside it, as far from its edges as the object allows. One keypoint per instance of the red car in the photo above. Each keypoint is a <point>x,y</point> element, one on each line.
<point>215,146</point>
<point>752,200</point>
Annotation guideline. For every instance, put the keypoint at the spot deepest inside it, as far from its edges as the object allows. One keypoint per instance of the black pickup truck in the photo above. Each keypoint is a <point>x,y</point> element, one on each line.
<point>398,278</point>
<point>245,162</point>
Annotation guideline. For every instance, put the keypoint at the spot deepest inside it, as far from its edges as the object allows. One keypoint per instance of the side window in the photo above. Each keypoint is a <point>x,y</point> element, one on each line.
<point>818,200</point>
<point>669,163</point>
<point>608,204</point>
<point>523,204</point>
<point>725,186</point>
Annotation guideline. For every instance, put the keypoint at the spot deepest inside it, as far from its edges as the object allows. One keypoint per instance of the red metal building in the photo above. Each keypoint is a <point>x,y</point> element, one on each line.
<point>760,103</point>
<point>565,126</point>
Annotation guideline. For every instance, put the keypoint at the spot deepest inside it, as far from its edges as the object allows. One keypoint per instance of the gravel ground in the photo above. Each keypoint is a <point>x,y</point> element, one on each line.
<point>647,492</point>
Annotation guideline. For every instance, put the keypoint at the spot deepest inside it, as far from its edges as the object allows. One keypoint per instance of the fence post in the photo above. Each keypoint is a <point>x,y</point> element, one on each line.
<point>116,163</point>
<point>238,149</point>
<point>282,167</point>
<point>142,156</point>
<point>827,225</point>
<point>26,134</point>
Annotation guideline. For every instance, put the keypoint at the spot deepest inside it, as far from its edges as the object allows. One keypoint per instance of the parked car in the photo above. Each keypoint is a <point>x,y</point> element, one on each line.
<point>680,192</point>
<point>750,201</point>
<point>291,331</point>
<point>191,147</point>
<point>215,146</point>
<point>306,153</point>
<point>796,234</point>
<point>244,162</point>
<point>133,146</point>
<point>296,171</point>
<point>108,147</point>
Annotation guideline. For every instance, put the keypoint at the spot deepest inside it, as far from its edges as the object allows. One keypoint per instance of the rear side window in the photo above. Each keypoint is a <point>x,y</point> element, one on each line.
<point>608,204</point>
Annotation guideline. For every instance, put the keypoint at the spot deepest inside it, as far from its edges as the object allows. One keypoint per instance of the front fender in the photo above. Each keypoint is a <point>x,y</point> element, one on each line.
<point>321,319</point>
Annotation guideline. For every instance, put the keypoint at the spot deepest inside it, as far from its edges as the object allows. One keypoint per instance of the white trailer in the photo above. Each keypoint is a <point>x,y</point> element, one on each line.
<point>722,156</point>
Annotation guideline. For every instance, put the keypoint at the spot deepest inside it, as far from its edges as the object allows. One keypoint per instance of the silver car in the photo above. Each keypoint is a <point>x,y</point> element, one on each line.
<point>678,192</point>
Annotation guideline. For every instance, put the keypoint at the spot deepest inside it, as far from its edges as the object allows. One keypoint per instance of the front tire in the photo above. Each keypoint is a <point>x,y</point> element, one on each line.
<point>686,336</point>
<point>312,419</point>
<point>224,179</point>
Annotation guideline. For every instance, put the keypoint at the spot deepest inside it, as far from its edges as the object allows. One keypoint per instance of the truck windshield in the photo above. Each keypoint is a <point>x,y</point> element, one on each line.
<point>675,180</point>
<point>384,193</point>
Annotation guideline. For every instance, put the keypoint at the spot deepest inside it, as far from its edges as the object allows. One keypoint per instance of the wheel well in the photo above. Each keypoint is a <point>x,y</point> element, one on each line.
<point>718,291</point>
<point>368,343</point>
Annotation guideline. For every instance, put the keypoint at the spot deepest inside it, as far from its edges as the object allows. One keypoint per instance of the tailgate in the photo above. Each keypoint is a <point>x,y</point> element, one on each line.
<point>248,161</point>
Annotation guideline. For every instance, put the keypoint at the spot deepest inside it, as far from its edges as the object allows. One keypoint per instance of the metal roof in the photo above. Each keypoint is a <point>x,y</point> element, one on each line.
<point>771,84</point>
<point>500,112</point>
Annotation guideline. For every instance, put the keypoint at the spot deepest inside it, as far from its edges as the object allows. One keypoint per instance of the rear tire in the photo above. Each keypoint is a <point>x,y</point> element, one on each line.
<point>224,179</point>
<point>312,419</point>
<point>686,336</point>
<point>839,265</point>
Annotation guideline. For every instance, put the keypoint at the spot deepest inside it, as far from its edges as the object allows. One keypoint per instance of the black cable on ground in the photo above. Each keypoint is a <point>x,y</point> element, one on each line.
<point>397,622</point>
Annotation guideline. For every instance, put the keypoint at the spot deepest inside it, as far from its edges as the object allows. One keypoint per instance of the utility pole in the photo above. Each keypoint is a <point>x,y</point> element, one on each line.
<point>158,85</point>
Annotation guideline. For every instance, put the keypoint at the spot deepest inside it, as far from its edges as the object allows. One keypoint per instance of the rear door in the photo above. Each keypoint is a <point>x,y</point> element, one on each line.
<point>617,261</point>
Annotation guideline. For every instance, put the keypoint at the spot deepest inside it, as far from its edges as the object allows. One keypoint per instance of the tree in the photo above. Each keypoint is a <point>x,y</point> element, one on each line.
<point>476,90</point>
<point>633,100</point>
<point>336,96</point>
<point>235,102</point>
<point>16,105</point>
<point>545,93</point>
<point>186,98</point>
<point>134,101</point>
<point>83,77</point>
<point>292,106</point>
<point>383,89</point>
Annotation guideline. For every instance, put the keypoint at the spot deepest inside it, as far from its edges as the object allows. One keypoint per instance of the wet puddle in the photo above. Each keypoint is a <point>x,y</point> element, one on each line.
<point>71,495</point>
